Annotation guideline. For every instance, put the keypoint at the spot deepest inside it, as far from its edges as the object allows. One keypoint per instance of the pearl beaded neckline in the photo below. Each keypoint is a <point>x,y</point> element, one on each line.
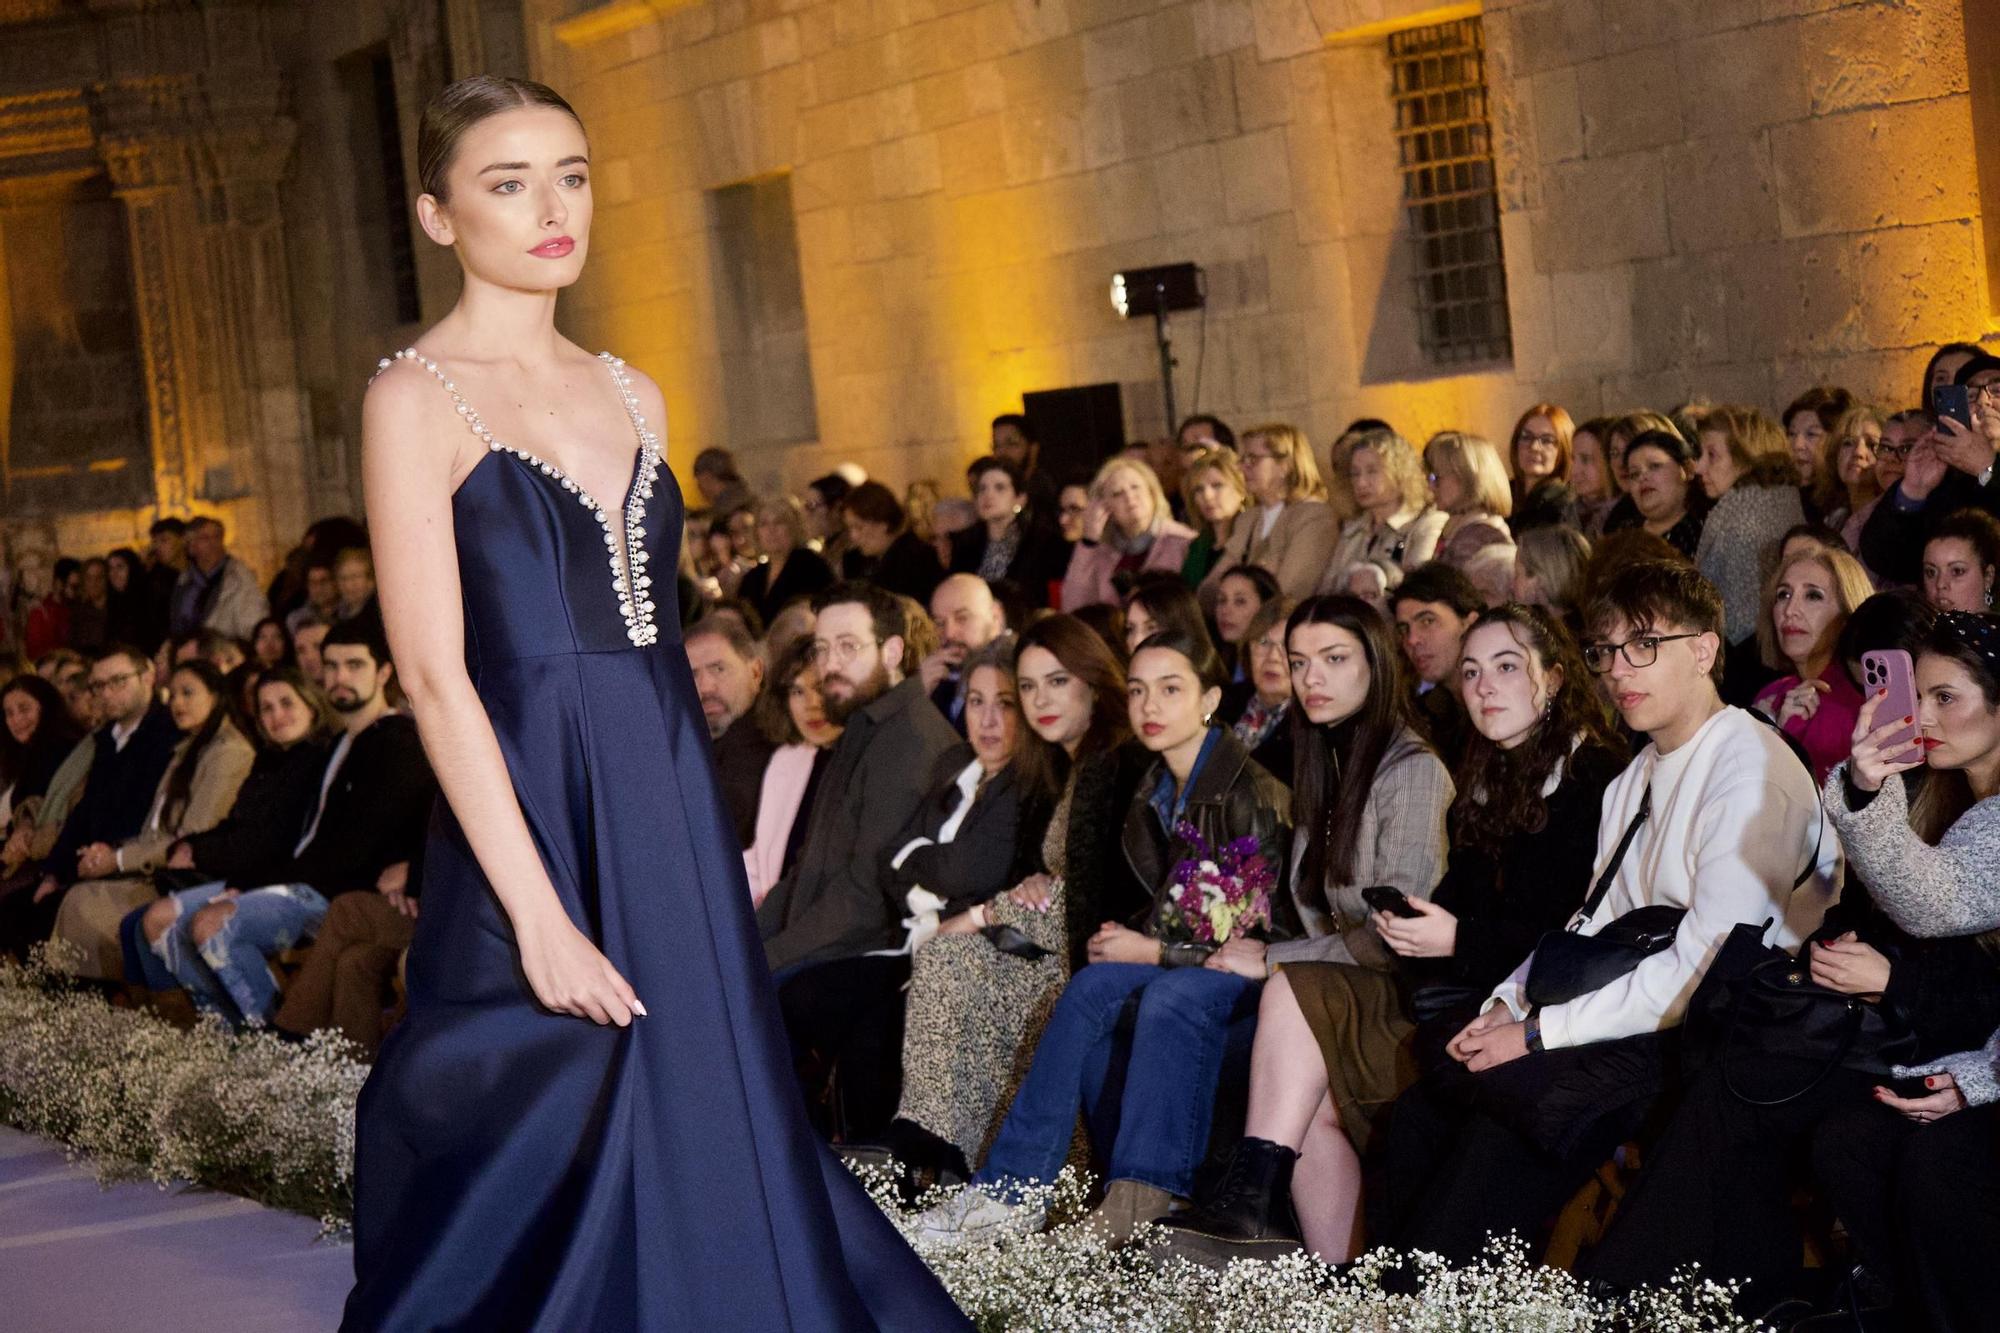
<point>628,559</point>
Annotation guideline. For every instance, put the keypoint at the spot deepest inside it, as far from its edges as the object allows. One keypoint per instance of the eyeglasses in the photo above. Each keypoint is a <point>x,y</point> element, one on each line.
<point>1887,450</point>
<point>1549,440</point>
<point>110,683</point>
<point>1987,392</point>
<point>1639,652</point>
<point>840,650</point>
<point>1267,648</point>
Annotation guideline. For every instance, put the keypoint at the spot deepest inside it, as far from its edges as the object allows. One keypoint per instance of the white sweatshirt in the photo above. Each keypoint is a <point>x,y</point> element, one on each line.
<point>1735,819</point>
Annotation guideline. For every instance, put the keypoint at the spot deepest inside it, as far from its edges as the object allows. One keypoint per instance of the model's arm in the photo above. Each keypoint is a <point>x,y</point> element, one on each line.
<point>414,452</point>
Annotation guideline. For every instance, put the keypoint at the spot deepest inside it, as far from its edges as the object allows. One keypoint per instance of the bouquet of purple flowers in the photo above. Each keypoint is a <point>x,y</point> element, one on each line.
<point>1213,895</point>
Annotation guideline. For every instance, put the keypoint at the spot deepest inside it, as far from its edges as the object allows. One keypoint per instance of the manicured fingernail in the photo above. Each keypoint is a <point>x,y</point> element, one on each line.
<point>1909,719</point>
<point>1930,1083</point>
<point>639,1009</point>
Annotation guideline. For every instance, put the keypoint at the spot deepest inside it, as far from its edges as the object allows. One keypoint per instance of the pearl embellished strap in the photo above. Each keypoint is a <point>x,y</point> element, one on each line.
<point>628,563</point>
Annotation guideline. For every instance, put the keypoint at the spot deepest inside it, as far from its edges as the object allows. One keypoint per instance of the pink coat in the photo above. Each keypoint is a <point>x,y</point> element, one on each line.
<point>1091,567</point>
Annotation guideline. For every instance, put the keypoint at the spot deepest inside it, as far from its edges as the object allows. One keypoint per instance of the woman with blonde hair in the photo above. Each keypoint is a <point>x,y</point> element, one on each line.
<point>1292,531</point>
<point>1128,530</point>
<point>1806,606</point>
<point>1845,490</point>
<point>1213,488</point>
<point>1549,566</point>
<point>1397,521</point>
<point>789,568</point>
<point>1748,472</point>
<point>1469,482</point>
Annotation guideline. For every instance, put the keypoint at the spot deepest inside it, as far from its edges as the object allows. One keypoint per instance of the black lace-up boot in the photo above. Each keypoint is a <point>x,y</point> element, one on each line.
<point>1248,1216</point>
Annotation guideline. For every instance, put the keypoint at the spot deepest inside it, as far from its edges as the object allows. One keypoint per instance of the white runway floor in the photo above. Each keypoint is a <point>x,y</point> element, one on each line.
<point>78,1258</point>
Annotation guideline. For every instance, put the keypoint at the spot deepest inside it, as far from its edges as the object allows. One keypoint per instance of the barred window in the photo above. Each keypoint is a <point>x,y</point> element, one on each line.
<point>1446,150</point>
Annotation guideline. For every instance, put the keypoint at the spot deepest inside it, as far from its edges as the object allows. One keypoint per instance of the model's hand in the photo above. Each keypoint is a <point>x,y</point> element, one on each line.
<point>1243,956</point>
<point>1850,967</point>
<point>1946,1100</point>
<point>1114,943</point>
<point>1869,764</point>
<point>569,975</point>
<point>1432,935</point>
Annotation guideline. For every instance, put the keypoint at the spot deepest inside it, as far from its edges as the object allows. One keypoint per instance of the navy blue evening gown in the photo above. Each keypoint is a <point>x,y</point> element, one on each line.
<point>519,1170</point>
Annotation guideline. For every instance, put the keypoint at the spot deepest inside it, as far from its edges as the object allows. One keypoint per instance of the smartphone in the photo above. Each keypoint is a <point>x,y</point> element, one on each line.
<point>1388,898</point>
<point>1890,669</point>
<point>1954,401</point>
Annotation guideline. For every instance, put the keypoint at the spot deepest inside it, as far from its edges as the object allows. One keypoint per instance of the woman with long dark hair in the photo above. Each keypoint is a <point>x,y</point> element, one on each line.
<point>38,735</point>
<point>792,715</point>
<point>1336,1044</point>
<point>981,991</point>
<point>196,793</point>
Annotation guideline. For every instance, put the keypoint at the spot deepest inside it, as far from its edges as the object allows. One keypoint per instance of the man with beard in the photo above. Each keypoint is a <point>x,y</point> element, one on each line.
<point>364,833</point>
<point>728,673</point>
<point>833,904</point>
<point>968,618</point>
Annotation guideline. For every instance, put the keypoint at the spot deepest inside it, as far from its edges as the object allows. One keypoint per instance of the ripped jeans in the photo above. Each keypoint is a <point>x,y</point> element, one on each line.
<point>228,974</point>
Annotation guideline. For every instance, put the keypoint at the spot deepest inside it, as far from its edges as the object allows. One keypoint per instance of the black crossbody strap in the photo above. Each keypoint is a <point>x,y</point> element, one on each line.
<point>1603,885</point>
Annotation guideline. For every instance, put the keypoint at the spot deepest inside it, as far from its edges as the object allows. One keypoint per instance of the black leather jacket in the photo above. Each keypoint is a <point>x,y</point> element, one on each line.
<point>1232,798</point>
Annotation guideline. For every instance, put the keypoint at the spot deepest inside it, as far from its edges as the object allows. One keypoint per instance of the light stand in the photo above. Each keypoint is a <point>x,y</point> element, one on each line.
<point>1158,292</point>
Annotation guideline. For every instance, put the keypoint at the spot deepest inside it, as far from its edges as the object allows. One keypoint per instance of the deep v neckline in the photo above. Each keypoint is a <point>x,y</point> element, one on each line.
<point>625,543</point>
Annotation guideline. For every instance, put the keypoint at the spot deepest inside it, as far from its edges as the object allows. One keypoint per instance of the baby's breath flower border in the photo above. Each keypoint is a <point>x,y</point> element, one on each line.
<point>274,1121</point>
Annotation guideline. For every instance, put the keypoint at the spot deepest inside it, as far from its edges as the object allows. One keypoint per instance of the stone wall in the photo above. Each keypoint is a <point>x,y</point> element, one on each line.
<point>1735,197</point>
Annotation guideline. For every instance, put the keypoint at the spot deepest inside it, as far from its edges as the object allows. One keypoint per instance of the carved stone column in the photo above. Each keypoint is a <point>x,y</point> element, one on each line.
<point>198,170</point>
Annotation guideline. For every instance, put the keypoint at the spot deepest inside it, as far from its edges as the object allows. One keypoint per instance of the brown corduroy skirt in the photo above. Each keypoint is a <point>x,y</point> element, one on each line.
<point>1356,1014</point>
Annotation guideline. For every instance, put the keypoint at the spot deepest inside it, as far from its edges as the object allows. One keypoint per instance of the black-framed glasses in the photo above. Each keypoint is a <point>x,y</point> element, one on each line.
<point>1887,450</point>
<point>1989,391</point>
<point>1640,652</point>
<point>110,683</point>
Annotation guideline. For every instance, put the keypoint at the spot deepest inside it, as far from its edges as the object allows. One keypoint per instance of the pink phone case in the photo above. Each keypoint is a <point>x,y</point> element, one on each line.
<point>1891,669</point>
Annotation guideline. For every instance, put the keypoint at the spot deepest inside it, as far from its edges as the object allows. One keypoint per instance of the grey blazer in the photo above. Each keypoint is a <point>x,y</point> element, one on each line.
<point>1402,842</point>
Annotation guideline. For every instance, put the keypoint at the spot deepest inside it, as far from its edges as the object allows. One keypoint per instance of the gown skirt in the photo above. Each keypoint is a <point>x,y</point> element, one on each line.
<point>516,1169</point>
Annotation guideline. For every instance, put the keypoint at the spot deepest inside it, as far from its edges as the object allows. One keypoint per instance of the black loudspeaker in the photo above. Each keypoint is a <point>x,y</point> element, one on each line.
<point>1080,428</point>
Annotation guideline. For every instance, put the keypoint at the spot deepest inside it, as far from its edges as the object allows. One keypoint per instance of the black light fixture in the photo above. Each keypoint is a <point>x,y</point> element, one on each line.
<point>1159,292</point>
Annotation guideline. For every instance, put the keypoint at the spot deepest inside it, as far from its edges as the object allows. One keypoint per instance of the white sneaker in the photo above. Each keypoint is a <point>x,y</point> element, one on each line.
<point>973,1216</point>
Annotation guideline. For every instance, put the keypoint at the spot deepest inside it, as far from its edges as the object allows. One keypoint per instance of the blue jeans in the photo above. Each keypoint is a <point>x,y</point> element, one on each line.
<point>228,975</point>
<point>1188,1021</point>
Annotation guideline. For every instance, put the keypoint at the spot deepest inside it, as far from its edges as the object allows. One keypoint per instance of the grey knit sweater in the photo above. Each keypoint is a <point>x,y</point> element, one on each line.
<point>1932,892</point>
<point>1977,1073</point>
<point>1739,544</point>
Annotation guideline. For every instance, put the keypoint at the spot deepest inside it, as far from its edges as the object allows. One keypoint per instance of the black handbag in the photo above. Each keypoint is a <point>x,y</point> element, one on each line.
<point>1566,964</point>
<point>1758,1008</point>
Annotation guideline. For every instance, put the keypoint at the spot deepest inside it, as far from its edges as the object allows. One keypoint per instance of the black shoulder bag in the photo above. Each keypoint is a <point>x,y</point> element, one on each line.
<point>1566,964</point>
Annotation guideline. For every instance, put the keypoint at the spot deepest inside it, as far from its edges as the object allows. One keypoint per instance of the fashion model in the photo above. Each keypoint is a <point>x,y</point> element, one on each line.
<point>588,1120</point>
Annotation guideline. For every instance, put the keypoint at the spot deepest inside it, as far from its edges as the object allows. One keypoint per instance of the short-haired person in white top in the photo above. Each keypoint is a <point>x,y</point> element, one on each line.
<point>1532,1100</point>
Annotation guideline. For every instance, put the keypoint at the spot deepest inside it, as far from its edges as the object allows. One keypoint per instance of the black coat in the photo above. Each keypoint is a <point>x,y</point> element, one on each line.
<point>979,861</point>
<point>1892,541</point>
<point>741,755</point>
<point>377,811</point>
<point>910,567</point>
<point>1098,883</point>
<point>1040,558</point>
<point>803,574</point>
<point>1231,798</point>
<point>253,844</point>
<point>119,792</point>
<point>834,903</point>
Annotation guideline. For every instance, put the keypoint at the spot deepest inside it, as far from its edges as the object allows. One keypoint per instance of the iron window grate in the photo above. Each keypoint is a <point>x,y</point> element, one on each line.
<point>1445,150</point>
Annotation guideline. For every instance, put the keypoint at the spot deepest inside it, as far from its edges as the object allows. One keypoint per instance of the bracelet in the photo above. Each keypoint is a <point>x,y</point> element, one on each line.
<point>1531,1030</point>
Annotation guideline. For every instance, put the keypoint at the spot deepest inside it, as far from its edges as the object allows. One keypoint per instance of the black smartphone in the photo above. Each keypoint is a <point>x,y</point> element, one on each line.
<point>1388,898</point>
<point>1953,400</point>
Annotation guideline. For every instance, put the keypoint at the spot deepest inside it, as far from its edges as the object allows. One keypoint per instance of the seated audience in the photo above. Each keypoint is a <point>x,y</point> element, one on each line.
<point>1469,482</point>
<point>790,569</point>
<point>793,716</point>
<point>1396,522</point>
<point>1717,1188</point>
<point>1847,488</point>
<point>1949,469</point>
<point>981,991</point>
<point>38,736</point>
<point>1549,563</point>
<point>1593,475</point>
<point>1745,471</point>
<point>1960,560</point>
<point>881,549</point>
<point>1715,821</point>
<point>1659,468</point>
<point>1808,421</point>
<point>1541,450</point>
<point>1157,603</point>
<point>1215,493</point>
<point>373,808</point>
<point>728,674</point>
<point>1258,708</point>
<point>1807,605</point>
<point>216,590</point>
<point>956,851</point>
<point>828,906</point>
<point>200,785</point>
<point>968,618</point>
<point>1238,595</point>
<point>1336,1043</point>
<point>1008,543</point>
<point>1129,530</point>
<point>1196,998</point>
<point>270,645</point>
<point>1433,609</point>
<point>1290,531</point>
<point>131,751</point>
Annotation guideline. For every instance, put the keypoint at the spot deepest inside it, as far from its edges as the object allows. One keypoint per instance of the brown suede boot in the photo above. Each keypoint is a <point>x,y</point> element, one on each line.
<point>175,1006</point>
<point>1127,1204</point>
